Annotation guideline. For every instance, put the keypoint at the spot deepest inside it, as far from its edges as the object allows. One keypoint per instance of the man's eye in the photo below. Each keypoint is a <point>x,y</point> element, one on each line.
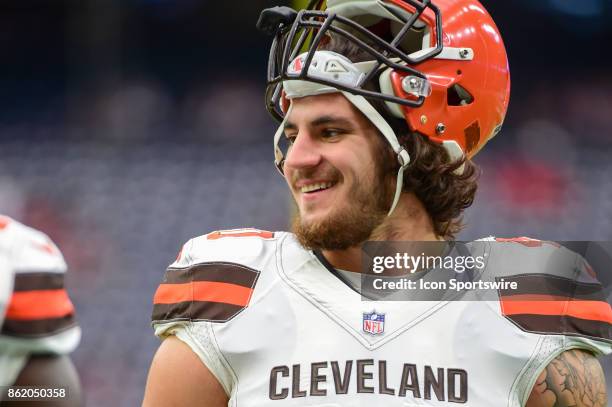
<point>330,133</point>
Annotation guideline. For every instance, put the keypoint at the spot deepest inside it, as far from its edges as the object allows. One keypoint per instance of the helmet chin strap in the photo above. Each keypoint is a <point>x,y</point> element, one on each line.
<point>403,158</point>
<point>400,180</point>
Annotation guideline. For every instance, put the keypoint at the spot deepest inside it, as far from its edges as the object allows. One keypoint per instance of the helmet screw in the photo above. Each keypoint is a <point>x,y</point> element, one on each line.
<point>464,53</point>
<point>440,128</point>
<point>423,119</point>
<point>411,84</point>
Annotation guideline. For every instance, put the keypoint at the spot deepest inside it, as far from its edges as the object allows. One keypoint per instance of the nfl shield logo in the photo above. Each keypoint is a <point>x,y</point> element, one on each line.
<point>373,323</point>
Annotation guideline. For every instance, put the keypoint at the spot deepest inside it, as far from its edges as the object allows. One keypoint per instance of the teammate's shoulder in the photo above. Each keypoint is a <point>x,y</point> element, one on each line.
<point>40,316</point>
<point>28,248</point>
<point>17,229</point>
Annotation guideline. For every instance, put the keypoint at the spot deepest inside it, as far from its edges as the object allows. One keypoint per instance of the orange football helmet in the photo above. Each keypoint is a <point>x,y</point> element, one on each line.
<point>441,65</point>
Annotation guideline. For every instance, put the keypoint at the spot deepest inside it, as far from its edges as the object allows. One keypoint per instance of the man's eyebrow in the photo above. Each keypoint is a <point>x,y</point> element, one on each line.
<point>327,119</point>
<point>320,121</point>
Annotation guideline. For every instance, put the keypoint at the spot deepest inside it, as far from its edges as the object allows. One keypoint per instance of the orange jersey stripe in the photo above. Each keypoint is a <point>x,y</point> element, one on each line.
<point>203,291</point>
<point>252,233</point>
<point>591,310</point>
<point>39,304</point>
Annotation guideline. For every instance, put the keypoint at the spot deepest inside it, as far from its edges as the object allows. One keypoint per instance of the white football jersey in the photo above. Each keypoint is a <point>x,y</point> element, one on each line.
<point>277,327</point>
<point>36,315</point>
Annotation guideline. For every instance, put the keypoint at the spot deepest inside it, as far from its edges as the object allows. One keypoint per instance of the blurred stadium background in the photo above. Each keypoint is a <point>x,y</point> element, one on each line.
<point>127,127</point>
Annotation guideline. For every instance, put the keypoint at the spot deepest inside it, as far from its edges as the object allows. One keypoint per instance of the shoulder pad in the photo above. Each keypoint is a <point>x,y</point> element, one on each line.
<point>524,255</point>
<point>557,291</point>
<point>29,249</point>
<point>243,246</point>
<point>213,277</point>
<point>39,305</point>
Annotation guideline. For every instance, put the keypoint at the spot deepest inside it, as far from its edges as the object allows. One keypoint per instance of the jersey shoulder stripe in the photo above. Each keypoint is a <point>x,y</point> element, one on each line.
<point>39,306</point>
<point>248,232</point>
<point>544,303</point>
<point>213,277</point>
<point>39,280</point>
<point>211,291</point>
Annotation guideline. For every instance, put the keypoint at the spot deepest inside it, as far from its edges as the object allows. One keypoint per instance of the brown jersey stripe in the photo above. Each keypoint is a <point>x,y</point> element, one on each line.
<point>546,284</point>
<point>198,311</point>
<point>220,272</point>
<point>38,281</point>
<point>179,310</point>
<point>557,324</point>
<point>37,327</point>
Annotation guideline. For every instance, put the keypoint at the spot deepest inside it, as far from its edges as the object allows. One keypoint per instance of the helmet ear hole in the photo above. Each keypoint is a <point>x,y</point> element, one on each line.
<point>457,95</point>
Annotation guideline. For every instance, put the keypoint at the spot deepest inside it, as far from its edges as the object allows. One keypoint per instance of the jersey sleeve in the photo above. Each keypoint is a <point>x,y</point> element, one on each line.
<point>555,296</point>
<point>210,283</point>
<point>589,319</point>
<point>39,317</point>
<point>561,296</point>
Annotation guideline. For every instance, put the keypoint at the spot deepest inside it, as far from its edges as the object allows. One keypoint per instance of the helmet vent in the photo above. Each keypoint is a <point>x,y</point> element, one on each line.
<point>457,95</point>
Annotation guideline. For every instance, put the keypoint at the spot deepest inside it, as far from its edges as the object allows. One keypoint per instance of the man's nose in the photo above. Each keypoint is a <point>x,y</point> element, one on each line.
<point>303,153</point>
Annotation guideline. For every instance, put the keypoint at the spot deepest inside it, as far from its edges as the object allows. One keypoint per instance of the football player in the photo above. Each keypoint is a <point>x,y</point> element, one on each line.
<point>37,322</point>
<point>382,104</point>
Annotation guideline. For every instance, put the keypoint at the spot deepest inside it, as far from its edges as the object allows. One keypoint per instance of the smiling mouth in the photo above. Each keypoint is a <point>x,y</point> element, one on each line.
<point>320,186</point>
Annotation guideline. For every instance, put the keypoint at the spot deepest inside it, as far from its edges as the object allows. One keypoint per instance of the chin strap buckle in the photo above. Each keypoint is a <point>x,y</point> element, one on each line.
<point>413,85</point>
<point>403,158</point>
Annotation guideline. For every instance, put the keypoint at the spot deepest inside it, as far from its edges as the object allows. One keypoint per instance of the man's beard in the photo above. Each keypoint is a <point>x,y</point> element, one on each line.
<point>353,223</point>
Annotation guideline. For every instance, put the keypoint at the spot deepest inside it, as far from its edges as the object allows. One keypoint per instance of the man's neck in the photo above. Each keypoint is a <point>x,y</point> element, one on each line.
<point>408,222</point>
